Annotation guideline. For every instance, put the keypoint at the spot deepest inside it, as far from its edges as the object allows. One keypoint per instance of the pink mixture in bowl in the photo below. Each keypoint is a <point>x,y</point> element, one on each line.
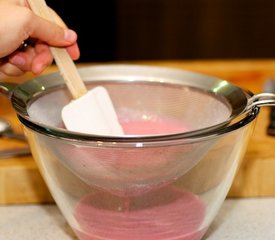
<point>167,213</point>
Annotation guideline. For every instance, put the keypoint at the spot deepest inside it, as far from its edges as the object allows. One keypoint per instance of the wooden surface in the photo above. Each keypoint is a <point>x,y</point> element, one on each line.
<point>20,181</point>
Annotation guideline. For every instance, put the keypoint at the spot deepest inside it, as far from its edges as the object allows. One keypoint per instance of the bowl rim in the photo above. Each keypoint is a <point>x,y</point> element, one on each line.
<point>141,140</point>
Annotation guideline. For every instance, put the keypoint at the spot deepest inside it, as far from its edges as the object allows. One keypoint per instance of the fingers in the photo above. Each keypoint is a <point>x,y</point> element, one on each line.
<point>50,32</point>
<point>27,25</point>
<point>8,69</point>
<point>57,35</point>
<point>42,58</point>
<point>34,59</point>
<point>2,75</point>
<point>74,52</point>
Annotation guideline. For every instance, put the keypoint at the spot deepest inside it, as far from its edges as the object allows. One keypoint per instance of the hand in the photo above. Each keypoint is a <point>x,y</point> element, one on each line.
<point>19,23</point>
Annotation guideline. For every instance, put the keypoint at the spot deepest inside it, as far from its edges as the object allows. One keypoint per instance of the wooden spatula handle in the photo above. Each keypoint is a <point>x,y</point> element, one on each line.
<point>63,60</point>
<point>69,72</point>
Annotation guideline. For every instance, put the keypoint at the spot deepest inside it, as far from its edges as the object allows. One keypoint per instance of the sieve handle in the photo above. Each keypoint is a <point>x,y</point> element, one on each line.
<point>261,99</point>
<point>63,60</point>
<point>7,88</point>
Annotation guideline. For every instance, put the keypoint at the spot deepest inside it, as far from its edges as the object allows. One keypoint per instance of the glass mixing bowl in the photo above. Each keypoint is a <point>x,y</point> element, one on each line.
<point>186,134</point>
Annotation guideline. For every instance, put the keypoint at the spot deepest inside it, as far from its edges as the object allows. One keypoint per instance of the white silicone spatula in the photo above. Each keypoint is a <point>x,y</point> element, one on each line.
<point>91,111</point>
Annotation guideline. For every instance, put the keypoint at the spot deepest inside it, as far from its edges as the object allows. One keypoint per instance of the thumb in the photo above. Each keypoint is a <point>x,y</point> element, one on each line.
<point>51,33</point>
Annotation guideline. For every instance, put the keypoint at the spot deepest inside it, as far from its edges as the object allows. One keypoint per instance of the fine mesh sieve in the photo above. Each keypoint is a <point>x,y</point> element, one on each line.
<point>145,101</point>
<point>198,102</point>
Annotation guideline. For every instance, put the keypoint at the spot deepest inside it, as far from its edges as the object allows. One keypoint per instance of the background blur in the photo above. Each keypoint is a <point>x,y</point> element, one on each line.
<point>112,30</point>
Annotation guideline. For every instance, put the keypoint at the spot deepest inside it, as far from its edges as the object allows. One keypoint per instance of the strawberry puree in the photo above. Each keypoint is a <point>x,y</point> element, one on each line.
<point>167,213</point>
<point>152,126</point>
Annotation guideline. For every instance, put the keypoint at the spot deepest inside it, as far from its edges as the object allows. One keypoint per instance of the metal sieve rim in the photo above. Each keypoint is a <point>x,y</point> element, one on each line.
<point>23,94</point>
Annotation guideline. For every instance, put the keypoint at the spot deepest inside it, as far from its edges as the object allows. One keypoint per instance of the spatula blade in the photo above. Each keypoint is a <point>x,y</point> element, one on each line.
<point>93,113</point>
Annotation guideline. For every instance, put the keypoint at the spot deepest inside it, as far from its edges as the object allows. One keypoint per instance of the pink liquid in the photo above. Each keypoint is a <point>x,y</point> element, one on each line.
<point>152,126</point>
<point>132,171</point>
<point>167,213</point>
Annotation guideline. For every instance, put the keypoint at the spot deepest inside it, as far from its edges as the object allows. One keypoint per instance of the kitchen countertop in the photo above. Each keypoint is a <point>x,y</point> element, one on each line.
<point>238,219</point>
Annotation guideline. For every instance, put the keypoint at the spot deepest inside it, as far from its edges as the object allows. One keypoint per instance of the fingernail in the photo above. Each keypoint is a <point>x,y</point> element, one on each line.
<point>69,35</point>
<point>18,60</point>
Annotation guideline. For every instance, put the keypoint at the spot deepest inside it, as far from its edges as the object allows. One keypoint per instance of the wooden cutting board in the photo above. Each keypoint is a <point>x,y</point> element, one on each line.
<point>21,182</point>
